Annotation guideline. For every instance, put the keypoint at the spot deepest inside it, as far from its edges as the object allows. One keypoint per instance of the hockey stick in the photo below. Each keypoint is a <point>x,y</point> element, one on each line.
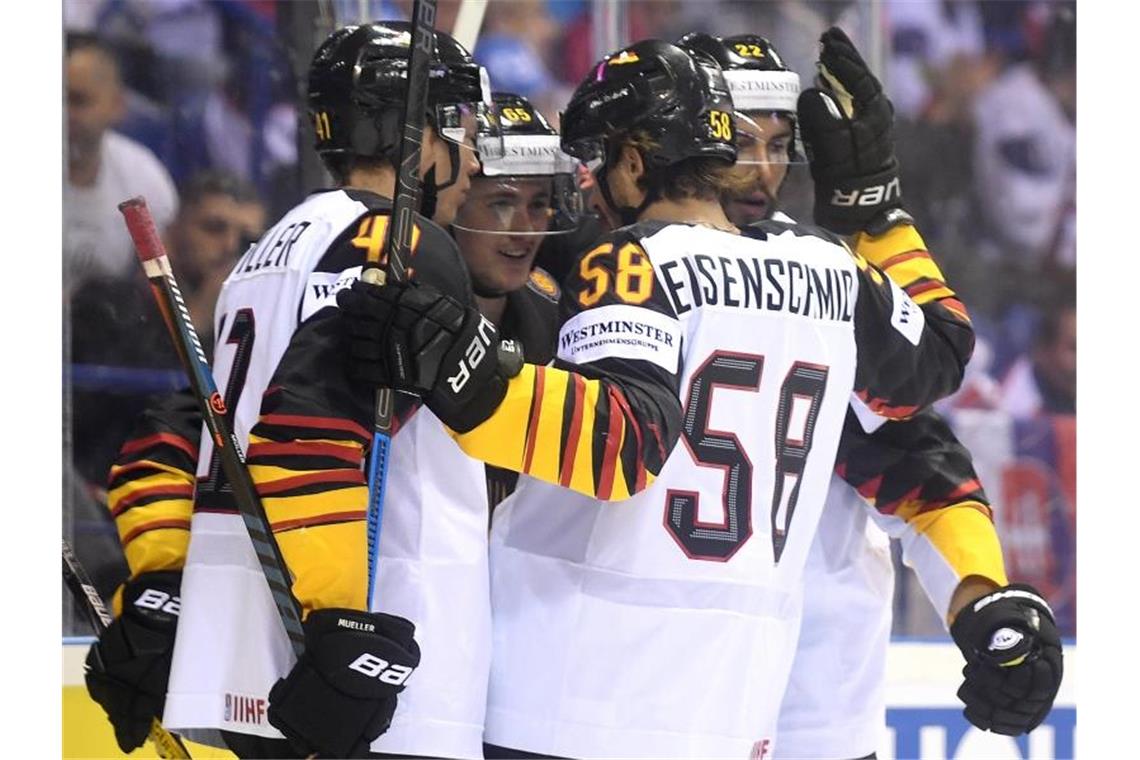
<point>79,584</point>
<point>152,254</point>
<point>398,245</point>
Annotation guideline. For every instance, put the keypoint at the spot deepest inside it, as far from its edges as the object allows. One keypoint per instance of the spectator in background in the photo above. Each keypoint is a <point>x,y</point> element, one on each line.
<point>103,168</point>
<point>221,216</point>
<point>115,323</point>
<point>1045,381</point>
<point>513,44</point>
<point>1025,154</point>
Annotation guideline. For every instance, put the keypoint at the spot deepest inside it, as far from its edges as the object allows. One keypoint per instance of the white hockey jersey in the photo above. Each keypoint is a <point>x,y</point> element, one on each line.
<point>665,625</point>
<point>282,377</point>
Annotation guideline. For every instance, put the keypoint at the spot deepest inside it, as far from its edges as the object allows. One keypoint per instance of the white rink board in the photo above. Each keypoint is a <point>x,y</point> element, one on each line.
<point>925,719</point>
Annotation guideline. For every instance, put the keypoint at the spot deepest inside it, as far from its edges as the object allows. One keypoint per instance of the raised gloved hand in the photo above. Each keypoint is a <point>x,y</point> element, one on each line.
<point>127,669</point>
<point>411,337</point>
<point>341,694</point>
<point>846,127</point>
<point>1013,659</point>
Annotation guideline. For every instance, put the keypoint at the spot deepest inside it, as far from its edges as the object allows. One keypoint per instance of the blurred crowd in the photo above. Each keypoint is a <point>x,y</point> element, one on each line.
<point>194,104</point>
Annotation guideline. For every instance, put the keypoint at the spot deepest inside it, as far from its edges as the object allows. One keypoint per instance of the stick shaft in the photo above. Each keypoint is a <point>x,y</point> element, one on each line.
<point>398,247</point>
<point>152,254</point>
<point>79,584</point>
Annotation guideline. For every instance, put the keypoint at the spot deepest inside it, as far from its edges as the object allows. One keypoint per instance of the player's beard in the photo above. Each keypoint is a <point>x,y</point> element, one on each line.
<point>755,205</point>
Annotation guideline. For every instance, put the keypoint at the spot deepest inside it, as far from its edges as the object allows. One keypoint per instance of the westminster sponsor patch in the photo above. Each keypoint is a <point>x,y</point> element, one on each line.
<point>322,287</point>
<point>621,332</point>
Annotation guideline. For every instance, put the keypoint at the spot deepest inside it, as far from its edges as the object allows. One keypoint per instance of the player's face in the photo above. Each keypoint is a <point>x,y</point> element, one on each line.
<point>498,260</point>
<point>764,145</point>
<point>207,237</point>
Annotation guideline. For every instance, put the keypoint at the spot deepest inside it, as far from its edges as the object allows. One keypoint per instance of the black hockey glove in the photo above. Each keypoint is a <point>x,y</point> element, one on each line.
<point>846,129</point>
<point>413,338</point>
<point>128,667</point>
<point>1013,659</point>
<point>341,694</point>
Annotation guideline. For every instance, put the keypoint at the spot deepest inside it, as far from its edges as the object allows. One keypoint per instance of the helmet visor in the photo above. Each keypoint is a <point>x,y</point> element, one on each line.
<point>766,138</point>
<point>533,205</point>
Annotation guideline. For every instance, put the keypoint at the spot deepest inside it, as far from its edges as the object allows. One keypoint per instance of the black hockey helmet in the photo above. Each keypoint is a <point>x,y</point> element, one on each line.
<point>358,84</point>
<point>655,87</point>
<point>526,185</point>
<point>526,145</point>
<point>758,79</point>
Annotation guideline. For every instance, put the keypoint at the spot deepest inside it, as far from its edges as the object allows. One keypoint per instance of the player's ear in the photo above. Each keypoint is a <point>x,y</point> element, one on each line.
<point>630,159</point>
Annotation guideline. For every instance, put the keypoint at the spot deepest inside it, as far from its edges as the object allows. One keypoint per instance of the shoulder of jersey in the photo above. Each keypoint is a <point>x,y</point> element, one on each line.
<point>787,224</point>
<point>541,283</point>
<point>370,228</point>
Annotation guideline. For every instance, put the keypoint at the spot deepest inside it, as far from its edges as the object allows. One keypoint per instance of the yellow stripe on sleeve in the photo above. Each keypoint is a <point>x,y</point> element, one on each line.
<point>582,477</point>
<point>547,438</point>
<point>894,241</point>
<point>329,565</point>
<point>966,538</point>
<point>501,439</point>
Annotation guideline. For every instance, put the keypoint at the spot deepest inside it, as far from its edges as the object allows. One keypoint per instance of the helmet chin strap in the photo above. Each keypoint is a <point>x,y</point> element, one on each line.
<point>626,214</point>
<point>429,195</point>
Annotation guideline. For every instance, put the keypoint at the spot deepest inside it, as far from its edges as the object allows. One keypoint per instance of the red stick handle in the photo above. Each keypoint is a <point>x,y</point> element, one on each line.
<point>141,226</point>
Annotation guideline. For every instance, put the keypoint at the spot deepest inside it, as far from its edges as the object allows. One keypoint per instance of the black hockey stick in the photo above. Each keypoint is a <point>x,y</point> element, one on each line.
<point>79,584</point>
<point>152,254</point>
<point>398,246</point>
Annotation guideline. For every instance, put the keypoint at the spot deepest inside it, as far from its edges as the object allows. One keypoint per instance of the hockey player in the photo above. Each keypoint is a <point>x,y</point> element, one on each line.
<point>517,201</point>
<point>835,705</point>
<point>280,361</point>
<point>663,625</point>
<point>528,174</point>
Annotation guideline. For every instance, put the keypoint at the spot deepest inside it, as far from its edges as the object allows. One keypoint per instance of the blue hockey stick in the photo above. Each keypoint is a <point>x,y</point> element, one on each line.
<point>398,246</point>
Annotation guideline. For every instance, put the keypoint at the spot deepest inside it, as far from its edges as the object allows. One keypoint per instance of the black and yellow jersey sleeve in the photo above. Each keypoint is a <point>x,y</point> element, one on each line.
<point>307,449</point>
<point>150,487</point>
<point>921,481</point>
<point>605,424</point>
<point>906,360</point>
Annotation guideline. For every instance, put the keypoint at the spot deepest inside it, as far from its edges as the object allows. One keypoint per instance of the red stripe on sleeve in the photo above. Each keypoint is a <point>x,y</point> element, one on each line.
<point>309,522</point>
<point>899,258</point>
<point>955,307</point>
<point>535,412</point>
<point>610,455</point>
<point>177,441</point>
<point>179,491</point>
<point>575,433</point>
<point>347,477</point>
<point>914,291</point>
<point>881,408</point>
<point>305,448</point>
<point>630,422</point>
<point>156,525</point>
